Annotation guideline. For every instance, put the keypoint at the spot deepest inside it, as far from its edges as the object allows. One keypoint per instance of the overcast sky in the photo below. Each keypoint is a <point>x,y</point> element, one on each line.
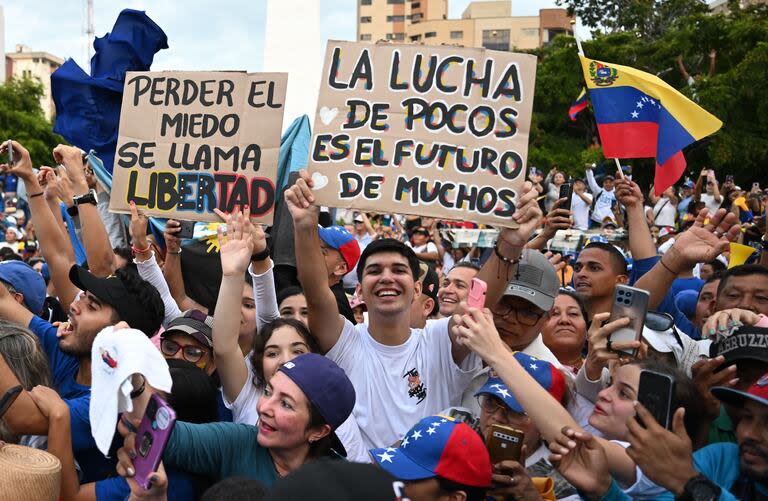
<point>202,35</point>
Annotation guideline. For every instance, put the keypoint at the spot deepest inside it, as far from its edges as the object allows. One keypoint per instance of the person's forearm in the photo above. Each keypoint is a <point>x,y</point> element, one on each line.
<point>640,238</point>
<point>540,241</point>
<point>96,241</point>
<point>496,273</point>
<point>592,183</point>
<point>55,208</point>
<point>226,325</point>
<point>60,445</point>
<point>427,256</point>
<point>657,282</point>
<point>585,198</point>
<point>174,277</point>
<point>697,189</point>
<point>150,271</point>
<point>716,192</point>
<point>264,294</point>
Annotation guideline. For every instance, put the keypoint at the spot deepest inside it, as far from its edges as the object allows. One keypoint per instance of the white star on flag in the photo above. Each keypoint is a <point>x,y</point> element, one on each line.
<point>504,393</point>
<point>443,420</point>
<point>431,431</point>
<point>436,423</point>
<point>390,449</point>
<point>533,366</point>
<point>639,104</point>
<point>635,114</point>
<point>386,456</point>
<point>416,435</point>
<point>404,443</point>
<point>495,386</point>
<point>652,101</point>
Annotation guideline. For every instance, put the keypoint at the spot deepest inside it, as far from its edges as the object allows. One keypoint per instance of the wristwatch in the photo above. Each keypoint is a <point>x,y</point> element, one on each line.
<point>88,198</point>
<point>764,242</point>
<point>700,488</point>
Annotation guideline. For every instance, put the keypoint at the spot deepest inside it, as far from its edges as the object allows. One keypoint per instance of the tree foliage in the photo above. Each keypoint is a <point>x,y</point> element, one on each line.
<point>734,94</point>
<point>22,119</point>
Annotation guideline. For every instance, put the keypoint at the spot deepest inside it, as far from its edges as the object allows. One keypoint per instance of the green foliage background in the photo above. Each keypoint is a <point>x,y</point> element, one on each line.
<point>649,36</point>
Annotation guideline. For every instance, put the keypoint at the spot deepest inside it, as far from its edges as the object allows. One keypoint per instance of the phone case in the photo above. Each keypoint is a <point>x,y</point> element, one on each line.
<point>504,443</point>
<point>151,438</point>
<point>656,392</point>
<point>566,191</point>
<point>187,229</point>
<point>629,302</point>
<point>477,291</point>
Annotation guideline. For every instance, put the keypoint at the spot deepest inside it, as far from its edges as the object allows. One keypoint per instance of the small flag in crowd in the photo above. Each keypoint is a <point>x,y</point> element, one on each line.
<point>579,104</point>
<point>640,116</point>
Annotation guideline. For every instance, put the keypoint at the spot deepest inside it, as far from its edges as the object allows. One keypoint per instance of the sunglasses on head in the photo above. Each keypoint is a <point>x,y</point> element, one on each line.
<point>657,321</point>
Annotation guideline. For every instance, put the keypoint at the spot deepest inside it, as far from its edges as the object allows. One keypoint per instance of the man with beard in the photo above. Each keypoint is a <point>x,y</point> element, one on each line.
<point>103,302</point>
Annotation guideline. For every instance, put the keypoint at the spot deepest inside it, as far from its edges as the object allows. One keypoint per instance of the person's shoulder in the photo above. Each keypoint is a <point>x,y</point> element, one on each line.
<point>433,325</point>
<point>718,450</point>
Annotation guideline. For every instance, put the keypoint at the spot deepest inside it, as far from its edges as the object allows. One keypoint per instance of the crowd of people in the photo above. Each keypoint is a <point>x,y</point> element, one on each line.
<point>335,355</point>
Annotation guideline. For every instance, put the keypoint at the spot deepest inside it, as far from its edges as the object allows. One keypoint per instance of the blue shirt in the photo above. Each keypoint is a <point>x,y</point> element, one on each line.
<point>718,462</point>
<point>180,487</point>
<point>78,397</point>
<point>682,284</point>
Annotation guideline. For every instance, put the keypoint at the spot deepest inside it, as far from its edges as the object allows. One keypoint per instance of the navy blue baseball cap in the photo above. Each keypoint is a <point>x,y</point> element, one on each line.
<point>25,280</point>
<point>327,386</point>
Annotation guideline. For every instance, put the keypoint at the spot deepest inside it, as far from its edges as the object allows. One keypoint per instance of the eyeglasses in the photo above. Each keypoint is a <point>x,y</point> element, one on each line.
<point>492,405</point>
<point>190,352</point>
<point>523,315</point>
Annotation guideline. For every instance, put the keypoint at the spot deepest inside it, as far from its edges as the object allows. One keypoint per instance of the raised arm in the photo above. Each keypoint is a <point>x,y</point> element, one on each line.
<point>236,250</point>
<point>95,238</point>
<point>57,191</point>
<point>172,268</point>
<point>681,67</point>
<point>56,411</point>
<point>698,186</point>
<point>557,219</point>
<point>699,244</point>
<point>640,239</point>
<point>325,323</point>
<point>715,187</point>
<point>593,187</point>
<point>478,333</point>
<point>264,294</point>
<point>147,265</point>
<point>53,243</point>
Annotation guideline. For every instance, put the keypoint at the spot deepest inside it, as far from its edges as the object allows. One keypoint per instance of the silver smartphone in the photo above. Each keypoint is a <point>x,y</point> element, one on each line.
<point>11,155</point>
<point>629,302</point>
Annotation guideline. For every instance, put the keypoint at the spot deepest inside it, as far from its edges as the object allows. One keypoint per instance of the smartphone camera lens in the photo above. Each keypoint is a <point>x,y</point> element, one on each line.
<point>145,445</point>
<point>621,293</point>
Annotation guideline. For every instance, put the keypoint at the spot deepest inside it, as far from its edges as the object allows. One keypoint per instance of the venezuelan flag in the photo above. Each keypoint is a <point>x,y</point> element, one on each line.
<point>640,116</point>
<point>579,104</point>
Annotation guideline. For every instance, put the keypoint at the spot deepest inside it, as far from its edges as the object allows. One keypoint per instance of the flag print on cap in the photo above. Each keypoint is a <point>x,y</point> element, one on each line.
<point>438,446</point>
<point>343,241</point>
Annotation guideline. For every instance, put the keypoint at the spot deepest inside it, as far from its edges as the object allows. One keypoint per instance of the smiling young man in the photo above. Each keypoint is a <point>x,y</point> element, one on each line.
<point>400,374</point>
<point>103,302</point>
<point>455,287</point>
<point>598,269</point>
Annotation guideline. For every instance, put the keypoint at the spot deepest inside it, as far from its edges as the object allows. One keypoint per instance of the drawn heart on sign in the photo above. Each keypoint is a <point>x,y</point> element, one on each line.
<point>328,114</point>
<point>319,180</point>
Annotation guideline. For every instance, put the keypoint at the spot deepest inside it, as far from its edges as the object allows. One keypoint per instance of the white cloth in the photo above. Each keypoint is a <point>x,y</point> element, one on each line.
<point>115,356</point>
<point>710,203</point>
<point>150,271</point>
<point>396,386</point>
<point>580,210</point>
<point>244,411</point>
<point>664,213</point>
<point>427,247</point>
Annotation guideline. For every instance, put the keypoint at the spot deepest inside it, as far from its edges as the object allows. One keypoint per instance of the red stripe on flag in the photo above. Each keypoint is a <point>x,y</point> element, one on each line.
<point>669,173</point>
<point>629,139</point>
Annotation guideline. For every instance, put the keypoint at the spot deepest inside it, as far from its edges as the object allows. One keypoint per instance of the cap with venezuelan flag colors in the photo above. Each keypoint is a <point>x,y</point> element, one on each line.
<point>438,446</point>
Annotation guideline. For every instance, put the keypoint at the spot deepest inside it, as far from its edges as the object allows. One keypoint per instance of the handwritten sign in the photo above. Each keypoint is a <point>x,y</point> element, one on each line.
<point>190,142</point>
<point>432,131</point>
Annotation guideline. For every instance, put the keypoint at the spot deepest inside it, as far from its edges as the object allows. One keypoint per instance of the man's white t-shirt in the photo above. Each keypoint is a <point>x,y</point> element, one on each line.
<point>396,386</point>
<point>710,203</point>
<point>604,206</point>
<point>580,210</point>
<point>244,411</point>
<point>664,213</point>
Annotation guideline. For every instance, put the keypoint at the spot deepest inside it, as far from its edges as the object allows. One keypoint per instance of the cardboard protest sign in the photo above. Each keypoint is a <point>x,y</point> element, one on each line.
<point>190,142</point>
<point>433,131</point>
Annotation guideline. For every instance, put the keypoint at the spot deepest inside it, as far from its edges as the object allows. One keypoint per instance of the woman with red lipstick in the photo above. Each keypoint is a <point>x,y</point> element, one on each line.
<point>615,404</point>
<point>303,404</point>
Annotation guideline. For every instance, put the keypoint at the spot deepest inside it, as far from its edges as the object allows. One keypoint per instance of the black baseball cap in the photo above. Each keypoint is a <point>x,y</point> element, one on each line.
<point>430,283</point>
<point>745,343</point>
<point>328,480</point>
<point>113,292</point>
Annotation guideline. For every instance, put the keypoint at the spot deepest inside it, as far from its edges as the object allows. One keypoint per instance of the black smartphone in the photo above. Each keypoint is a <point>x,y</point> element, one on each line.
<point>8,399</point>
<point>566,191</point>
<point>187,229</point>
<point>656,392</point>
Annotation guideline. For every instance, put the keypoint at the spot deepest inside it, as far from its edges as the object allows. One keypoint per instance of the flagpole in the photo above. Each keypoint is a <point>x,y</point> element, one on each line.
<point>619,172</point>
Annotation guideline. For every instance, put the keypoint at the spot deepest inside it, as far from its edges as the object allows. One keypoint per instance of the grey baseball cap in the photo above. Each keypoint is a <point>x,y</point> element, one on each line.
<point>535,280</point>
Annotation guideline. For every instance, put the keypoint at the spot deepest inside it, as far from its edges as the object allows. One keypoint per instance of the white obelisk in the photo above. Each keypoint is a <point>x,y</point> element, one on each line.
<point>292,44</point>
